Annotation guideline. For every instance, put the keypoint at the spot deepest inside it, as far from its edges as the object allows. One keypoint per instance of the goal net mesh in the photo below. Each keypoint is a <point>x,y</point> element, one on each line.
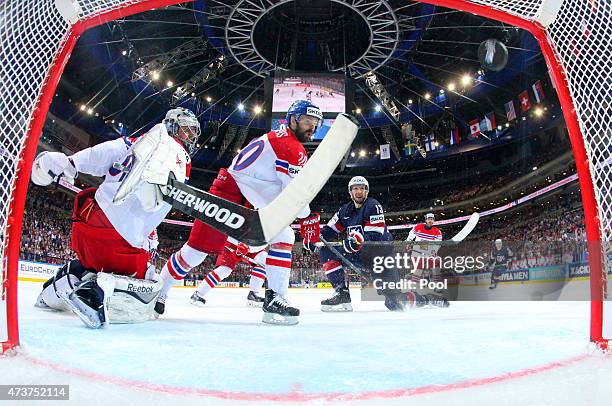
<point>33,32</point>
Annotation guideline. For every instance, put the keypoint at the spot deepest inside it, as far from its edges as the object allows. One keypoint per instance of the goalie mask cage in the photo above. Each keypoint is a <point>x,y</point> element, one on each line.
<point>575,36</point>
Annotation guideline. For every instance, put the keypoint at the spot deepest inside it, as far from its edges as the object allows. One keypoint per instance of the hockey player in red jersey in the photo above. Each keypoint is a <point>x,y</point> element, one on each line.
<point>108,236</point>
<point>427,234</point>
<point>257,174</point>
<point>234,253</point>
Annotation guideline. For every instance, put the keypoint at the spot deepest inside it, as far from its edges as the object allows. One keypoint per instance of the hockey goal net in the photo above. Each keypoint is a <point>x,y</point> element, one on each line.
<point>37,37</point>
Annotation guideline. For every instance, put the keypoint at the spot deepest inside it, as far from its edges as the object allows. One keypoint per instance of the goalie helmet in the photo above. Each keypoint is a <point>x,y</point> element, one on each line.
<point>183,125</point>
<point>358,180</point>
<point>304,107</point>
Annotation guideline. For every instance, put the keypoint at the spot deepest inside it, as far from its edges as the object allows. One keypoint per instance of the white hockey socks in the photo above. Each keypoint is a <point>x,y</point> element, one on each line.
<point>278,267</point>
<point>178,266</point>
<point>258,276</point>
<point>213,278</point>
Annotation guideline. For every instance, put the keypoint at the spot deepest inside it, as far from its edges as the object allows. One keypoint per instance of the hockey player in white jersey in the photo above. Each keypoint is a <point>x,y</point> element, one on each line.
<point>257,174</point>
<point>112,237</point>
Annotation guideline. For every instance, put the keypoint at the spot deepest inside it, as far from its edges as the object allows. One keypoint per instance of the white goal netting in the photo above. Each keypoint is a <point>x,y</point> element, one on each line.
<point>33,32</point>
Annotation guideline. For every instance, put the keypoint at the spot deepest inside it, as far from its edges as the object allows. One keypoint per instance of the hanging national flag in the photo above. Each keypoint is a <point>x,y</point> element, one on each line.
<point>409,148</point>
<point>474,128</point>
<point>538,91</point>
<point>483,125</point>
<point>454,138</point>
<point>385,152</point>
<point>524,100</point>
<point>430,143</point>
<point>510,113</point>
<point>490,119</point>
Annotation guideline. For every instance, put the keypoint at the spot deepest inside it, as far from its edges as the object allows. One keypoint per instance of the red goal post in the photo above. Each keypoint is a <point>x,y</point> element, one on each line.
<point>38,36</point>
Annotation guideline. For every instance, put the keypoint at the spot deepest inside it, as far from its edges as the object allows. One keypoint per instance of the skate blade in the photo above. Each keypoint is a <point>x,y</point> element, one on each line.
<point>197,303</point>
<point>277,319</point>
<point>252,303</point>
<point>341,308</point>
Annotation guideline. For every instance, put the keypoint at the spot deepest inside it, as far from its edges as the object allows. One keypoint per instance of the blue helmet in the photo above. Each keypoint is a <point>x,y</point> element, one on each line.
<point>300,107</point>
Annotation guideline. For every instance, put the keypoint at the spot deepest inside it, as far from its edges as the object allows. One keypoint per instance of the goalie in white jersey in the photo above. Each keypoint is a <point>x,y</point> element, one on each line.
<point>116,237</point>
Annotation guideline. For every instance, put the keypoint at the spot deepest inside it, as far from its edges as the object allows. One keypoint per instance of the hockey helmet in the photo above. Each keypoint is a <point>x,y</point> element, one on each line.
<point>304,107</point>
<point>430,215</point>
<point>183,118</point>
<point>358,180</point>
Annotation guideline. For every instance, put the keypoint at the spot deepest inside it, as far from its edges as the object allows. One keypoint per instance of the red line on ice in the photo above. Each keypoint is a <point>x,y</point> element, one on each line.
<point>298,396</point>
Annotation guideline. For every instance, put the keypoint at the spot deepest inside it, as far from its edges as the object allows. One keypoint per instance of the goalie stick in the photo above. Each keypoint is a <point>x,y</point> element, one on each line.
<point>258,227</point>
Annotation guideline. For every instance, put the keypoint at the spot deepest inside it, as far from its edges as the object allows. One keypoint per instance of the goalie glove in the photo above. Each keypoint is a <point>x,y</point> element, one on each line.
<point>310,231</point>
<point>48,167</point>
<point>353,243</point>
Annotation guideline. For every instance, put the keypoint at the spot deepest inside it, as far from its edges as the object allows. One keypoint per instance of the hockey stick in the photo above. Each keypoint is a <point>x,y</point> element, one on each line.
<point>342,258</point>
<point>467,228</point>
<point>258,227</point>
<point>460,236</point>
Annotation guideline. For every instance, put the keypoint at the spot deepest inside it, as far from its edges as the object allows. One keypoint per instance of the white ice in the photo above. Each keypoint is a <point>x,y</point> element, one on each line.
<point>223,353</point>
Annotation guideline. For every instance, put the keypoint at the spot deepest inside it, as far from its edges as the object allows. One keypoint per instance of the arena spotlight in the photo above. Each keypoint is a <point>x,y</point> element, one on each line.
<point>353,154</point>
<point>124,52</point>
<point>357,110</point>
<point>377,108</point>
<point>169,83</point>
<point>441,91</point>
<point>538,112</point>
<point>90,111</point>
<point>507,125</point>
<point>499,127</point>
<point>362,153</point>
<point>257,109</point>
<point>427,96</point>
<point>377,151</point>
<point>451,86</point>
<point>409,101</point>
<point>83,107</point>
<point>240,106</point>
<point>466,80</point>
<point>155,75</point>
<point>208,99</point>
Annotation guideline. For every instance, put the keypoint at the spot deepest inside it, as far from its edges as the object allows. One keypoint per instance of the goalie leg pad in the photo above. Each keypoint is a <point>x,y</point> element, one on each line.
<point>133,300</point>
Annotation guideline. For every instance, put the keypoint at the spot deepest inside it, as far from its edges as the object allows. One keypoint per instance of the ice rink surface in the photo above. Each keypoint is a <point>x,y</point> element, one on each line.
<point>472,353</point>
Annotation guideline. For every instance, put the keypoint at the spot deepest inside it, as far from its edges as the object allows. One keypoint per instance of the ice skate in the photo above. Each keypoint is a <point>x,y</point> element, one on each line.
<point>253,300</point>
<point>339,302</point>
<point>278,311</point>
<point>160,305</point>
